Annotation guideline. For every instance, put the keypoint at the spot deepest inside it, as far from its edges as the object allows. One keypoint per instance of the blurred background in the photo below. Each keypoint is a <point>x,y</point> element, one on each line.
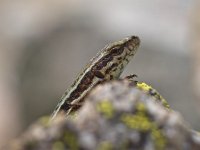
<point>45,44</point>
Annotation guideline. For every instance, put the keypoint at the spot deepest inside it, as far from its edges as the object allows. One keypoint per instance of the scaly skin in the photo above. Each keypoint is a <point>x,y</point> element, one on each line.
<point>107,65</point>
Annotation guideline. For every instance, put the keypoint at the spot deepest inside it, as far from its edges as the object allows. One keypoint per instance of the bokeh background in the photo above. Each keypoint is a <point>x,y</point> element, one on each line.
<point>45,44</point>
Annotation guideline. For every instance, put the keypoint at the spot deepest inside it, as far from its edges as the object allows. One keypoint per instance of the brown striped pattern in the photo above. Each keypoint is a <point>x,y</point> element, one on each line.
<point>107,65</point>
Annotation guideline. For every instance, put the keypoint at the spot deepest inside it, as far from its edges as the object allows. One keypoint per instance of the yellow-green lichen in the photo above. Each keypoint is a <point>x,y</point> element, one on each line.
<point>151,91</point>
<point>138,121</point>
<point>140,107</point>
<point>106,108</point>
<point>44,121</point>
<point>141,121</point>
<point>158,137</point>
<point>143,86</point>
<point>58,145</point>
<point>73,115</point>
<point>105,145</point>
<point>71,140</point>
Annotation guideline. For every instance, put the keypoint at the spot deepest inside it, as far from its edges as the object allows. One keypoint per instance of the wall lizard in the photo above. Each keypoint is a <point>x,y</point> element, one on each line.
<point>108,64</point>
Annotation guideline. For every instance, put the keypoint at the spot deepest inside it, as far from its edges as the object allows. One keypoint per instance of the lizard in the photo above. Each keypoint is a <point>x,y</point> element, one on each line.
<point>108,64</point>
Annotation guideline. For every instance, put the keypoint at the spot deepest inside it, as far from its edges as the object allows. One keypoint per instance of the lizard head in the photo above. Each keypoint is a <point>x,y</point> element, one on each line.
<point>111,60</point>
<point>120,53</point>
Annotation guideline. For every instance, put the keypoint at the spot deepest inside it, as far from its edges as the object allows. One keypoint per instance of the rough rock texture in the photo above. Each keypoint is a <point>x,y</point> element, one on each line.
<point>116,115</point>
